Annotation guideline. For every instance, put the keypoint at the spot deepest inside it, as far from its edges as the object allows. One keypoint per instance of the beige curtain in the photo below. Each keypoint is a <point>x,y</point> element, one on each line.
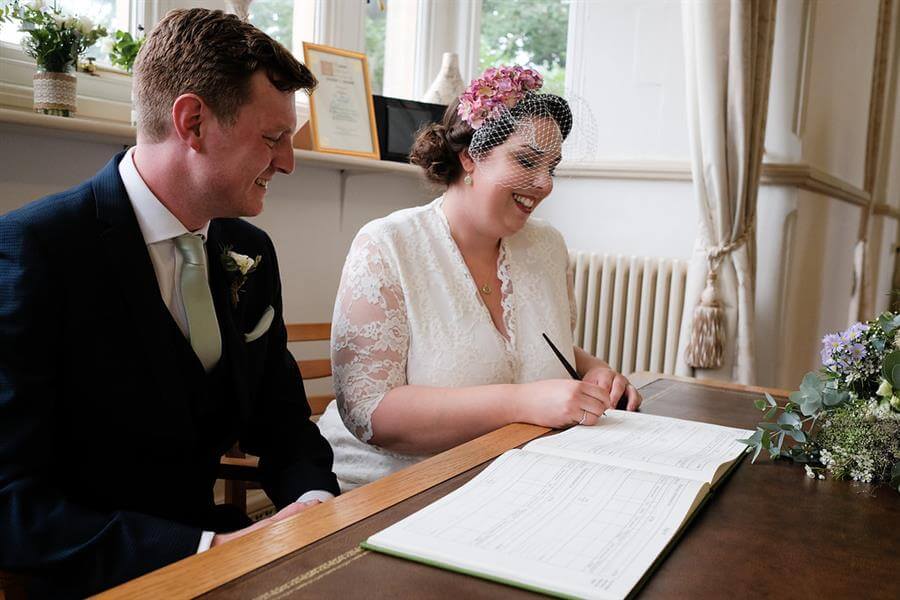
<point>728,58</point>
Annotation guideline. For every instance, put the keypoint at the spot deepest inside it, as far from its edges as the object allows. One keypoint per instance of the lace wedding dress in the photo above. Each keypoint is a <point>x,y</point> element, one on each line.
<point>409,312</point>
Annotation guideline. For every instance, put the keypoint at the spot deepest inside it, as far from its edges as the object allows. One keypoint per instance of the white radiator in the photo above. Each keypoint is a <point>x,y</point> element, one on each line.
<point>629,309</point>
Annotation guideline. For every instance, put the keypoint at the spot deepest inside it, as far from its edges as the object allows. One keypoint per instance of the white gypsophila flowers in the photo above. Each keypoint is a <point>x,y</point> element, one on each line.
<point>881,411</point>
<point>864,469</point>
<point>244,262</point>
<point>809,472</point>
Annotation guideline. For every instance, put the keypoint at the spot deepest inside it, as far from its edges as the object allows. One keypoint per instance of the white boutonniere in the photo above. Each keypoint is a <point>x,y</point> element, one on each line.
<point>238,266</point>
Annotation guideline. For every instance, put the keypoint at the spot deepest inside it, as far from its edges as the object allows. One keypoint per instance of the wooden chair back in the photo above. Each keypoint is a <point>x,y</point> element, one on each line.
<point>239,470</point>
<point>12,586</point>
<point>317,368</point>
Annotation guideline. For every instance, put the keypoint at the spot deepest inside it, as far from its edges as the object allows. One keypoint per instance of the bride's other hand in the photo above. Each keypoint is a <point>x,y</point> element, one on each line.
<point>560,403</point>
<point>616,385</point>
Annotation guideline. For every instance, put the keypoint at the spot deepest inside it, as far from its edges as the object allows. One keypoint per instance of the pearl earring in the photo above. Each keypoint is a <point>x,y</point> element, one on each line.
<point>467,179</point>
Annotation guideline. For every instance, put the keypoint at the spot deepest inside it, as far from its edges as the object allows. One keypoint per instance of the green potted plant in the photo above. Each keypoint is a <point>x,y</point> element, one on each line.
<point>55,41</point>
<point>124,49</point>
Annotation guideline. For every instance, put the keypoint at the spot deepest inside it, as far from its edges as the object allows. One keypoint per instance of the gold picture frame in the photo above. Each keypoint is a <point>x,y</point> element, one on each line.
<point>341,113</point>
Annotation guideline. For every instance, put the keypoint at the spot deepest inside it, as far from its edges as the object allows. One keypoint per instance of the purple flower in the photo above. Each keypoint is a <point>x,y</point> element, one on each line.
<point>856,352</point>
<point>855,330</point>
<point>831,344</point>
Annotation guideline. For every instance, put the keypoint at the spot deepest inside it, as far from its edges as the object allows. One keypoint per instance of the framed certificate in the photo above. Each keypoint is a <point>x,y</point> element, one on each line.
<point>341,115</point>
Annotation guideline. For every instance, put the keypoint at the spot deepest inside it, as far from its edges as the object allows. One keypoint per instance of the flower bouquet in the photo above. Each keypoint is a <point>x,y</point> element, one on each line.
<point>55,41</point>
<point>845,419</point>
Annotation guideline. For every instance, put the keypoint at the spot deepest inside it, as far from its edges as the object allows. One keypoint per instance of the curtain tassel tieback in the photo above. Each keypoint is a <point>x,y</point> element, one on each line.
<point>705,350</point>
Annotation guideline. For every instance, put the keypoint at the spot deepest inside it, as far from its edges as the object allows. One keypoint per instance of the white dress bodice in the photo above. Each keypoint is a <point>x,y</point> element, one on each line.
<point>409,312</point>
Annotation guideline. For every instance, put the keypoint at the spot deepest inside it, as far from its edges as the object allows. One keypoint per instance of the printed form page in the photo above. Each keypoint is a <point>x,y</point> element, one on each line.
<point>648,442</point>
<point>573,527</point>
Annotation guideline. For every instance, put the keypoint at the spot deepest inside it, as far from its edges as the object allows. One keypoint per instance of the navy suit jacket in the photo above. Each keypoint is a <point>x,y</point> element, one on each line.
<point>108,452</point>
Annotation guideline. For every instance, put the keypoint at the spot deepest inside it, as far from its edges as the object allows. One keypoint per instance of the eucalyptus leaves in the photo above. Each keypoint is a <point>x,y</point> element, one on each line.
<point>844,420</point>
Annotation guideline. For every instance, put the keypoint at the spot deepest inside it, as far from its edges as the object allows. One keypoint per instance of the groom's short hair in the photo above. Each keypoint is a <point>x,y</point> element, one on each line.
<point>213,55</point>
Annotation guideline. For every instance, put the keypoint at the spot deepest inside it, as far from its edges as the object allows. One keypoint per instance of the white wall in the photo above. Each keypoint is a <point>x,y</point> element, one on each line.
<point>302,210</point>
<point>643,218</point>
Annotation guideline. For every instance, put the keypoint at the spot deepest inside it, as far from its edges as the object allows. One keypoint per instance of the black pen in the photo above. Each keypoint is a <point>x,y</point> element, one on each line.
<point>623,400</point>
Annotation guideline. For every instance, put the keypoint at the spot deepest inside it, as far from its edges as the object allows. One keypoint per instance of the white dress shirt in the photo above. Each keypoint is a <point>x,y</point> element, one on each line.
<point>159,228</point>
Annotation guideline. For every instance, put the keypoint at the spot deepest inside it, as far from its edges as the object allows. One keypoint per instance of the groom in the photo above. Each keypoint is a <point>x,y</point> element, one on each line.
<point>141,327</point>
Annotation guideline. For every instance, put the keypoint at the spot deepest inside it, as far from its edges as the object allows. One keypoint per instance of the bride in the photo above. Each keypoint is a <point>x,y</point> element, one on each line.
<point>436,335</point>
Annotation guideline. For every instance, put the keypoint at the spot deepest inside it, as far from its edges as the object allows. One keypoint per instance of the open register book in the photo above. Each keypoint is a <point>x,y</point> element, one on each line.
<point>584,513</point>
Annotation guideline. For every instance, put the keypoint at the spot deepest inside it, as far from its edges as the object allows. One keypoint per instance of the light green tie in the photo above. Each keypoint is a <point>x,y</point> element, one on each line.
<point>198,304</point>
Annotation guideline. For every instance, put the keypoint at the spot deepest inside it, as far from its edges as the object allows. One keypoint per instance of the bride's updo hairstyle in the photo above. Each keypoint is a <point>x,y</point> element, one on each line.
<point>473,124</point>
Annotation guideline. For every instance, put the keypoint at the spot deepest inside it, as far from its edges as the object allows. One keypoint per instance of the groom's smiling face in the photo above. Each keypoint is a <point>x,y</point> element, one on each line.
<point>244,157</point>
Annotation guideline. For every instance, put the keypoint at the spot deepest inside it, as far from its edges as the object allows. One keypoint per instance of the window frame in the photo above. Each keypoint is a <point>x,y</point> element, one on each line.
<point>441,26</point>
<point>105,95</point>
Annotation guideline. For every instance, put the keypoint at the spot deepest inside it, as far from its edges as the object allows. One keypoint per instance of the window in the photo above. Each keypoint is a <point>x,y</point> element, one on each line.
<point>376,25</point>
<point>275,17</point>
<point>527,32</point>
<point>390,45</point>
<point>112,14</point>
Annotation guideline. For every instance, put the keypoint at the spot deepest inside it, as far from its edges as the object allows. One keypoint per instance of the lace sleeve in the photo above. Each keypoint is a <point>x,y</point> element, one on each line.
<point>369,335</point>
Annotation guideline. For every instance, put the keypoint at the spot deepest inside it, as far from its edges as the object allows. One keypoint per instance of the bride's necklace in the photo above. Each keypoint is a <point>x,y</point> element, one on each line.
<point>486,289</point>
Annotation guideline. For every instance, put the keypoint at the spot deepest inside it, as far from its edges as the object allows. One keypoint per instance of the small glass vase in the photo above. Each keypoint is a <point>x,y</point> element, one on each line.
<point>55,92</point>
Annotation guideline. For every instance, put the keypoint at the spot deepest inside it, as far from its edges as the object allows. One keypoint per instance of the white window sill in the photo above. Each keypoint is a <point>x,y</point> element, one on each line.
<point>105,96</point>
<point>99,130</point>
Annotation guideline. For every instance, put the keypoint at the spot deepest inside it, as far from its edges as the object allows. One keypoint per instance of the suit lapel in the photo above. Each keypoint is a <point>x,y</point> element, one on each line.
<point>130,266</point>
<point>232,338</point>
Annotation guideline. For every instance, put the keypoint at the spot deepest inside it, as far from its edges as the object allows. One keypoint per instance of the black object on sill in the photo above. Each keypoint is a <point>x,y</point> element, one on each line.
<point>398,121</point>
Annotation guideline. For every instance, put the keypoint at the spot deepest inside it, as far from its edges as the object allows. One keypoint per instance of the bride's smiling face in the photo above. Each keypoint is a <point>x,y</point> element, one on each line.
<point>514,177</point>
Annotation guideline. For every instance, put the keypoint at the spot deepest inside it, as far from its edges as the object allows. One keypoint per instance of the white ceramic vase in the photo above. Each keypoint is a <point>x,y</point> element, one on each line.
<point>241,8</point>
<point>448,84</point>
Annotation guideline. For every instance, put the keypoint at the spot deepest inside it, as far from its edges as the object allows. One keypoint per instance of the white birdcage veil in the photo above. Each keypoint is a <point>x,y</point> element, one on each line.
<point>532,130</point>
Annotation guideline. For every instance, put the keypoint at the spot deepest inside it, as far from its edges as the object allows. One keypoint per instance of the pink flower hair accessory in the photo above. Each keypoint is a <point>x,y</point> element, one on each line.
<point>496,89</point>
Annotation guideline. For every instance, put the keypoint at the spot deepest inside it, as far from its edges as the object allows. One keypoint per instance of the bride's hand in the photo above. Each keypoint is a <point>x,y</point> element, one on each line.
<point>616,385</point>
<point>561,403</point>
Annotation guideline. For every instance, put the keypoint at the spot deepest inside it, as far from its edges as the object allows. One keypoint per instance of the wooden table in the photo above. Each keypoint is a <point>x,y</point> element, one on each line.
<point>769,531</point>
